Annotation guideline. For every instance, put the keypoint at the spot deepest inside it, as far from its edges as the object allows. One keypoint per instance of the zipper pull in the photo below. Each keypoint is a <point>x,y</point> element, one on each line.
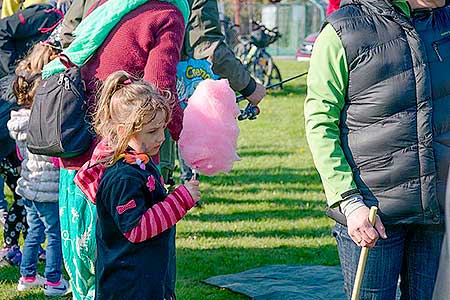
<point>66,84</point>
<point>61,78</point>
<point>436,49</point>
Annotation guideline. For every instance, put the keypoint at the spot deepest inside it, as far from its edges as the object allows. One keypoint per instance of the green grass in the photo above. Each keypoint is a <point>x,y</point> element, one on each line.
<point>268,210</point>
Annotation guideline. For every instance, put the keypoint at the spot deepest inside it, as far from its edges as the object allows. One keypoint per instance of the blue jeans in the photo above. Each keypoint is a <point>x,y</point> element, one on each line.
<point>410,252</point>
<point>43,221</point>
<point>185,171</point>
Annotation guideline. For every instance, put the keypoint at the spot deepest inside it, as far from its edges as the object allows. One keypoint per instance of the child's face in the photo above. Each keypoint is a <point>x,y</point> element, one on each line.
<point>150,138</point>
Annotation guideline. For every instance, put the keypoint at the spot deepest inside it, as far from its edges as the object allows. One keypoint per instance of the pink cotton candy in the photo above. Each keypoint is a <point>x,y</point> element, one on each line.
<point>209,138</point>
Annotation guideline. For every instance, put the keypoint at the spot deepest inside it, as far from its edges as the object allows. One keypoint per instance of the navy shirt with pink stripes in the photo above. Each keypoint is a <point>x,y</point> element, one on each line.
<point>135,220</point>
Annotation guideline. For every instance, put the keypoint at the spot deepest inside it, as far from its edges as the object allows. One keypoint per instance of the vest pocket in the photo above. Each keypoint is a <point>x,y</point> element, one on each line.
<point>441,48</point>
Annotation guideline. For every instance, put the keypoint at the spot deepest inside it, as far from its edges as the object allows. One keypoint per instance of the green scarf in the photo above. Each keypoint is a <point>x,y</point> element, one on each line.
<point>93,30</point>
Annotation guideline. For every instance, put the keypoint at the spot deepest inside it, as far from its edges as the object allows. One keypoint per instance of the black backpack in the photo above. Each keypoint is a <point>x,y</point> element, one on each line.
<point>59,124</point>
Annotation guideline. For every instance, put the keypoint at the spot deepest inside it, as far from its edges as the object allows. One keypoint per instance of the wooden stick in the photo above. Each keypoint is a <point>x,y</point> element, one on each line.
<point>363,258</point>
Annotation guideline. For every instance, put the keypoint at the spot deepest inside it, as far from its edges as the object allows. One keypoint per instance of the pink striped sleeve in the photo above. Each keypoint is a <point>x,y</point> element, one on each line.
<point>162,215</point>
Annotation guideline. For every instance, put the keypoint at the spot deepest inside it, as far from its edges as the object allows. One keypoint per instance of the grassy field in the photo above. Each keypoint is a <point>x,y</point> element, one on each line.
<point>268,210</point>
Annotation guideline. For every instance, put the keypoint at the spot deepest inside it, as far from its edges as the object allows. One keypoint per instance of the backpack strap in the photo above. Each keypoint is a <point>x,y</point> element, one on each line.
<point>45,30</point>
<point>65,60</point>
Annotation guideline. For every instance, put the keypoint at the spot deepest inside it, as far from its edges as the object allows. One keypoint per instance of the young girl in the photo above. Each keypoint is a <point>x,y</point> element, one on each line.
<point>15,217</point>
<point>135,215</point>
<point>38,185</point>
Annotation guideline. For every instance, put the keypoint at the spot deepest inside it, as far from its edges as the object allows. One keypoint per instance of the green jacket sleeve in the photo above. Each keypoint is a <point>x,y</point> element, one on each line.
<point>204,39</point>
<point>327,87</point>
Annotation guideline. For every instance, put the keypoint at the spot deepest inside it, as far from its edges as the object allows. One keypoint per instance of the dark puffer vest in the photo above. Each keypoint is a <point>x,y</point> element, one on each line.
<point>395,125</point>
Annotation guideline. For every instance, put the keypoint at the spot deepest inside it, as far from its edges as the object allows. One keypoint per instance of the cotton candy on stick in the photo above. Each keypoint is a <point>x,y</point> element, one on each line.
<point>208,141</point>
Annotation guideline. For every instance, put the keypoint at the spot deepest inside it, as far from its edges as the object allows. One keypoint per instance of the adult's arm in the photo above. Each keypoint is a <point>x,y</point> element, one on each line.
<point>161,66</point>
<point>204,39</point>
<point>327,86</point>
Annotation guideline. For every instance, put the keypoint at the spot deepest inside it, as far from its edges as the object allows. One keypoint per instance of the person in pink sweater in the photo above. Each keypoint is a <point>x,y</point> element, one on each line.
<point>146,43</point>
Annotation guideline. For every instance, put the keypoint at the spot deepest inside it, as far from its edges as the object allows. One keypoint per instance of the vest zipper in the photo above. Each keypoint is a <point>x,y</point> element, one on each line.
<point>436,49</point>
<point>438,43</point>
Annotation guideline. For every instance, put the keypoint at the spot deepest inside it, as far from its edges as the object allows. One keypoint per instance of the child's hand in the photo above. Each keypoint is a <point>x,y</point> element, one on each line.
<point>193,186</point>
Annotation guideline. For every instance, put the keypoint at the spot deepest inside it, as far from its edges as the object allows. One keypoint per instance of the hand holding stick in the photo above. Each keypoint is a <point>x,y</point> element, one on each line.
<point>363,258</point>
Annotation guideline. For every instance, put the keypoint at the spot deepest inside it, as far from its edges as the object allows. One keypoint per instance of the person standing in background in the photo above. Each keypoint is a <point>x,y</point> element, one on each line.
<point>38,184</point>
<point>205,41</point>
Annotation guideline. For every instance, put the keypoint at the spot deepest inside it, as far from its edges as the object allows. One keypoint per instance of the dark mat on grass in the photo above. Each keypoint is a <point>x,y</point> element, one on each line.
<point>282,282</point>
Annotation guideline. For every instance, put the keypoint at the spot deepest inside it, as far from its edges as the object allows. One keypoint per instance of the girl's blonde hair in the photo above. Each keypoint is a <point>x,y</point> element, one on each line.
<point>37,58</point>
<point>132,102</point>
<point>28,73</point>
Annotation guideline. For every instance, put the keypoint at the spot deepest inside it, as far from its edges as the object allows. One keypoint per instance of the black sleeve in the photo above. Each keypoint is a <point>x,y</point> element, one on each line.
<point>204,39</point>
<point>19,31</point>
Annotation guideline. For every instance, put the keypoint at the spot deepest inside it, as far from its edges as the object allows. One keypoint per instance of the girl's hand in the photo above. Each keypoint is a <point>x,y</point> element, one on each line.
<point>360,229</point>
<point>193,186</point>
